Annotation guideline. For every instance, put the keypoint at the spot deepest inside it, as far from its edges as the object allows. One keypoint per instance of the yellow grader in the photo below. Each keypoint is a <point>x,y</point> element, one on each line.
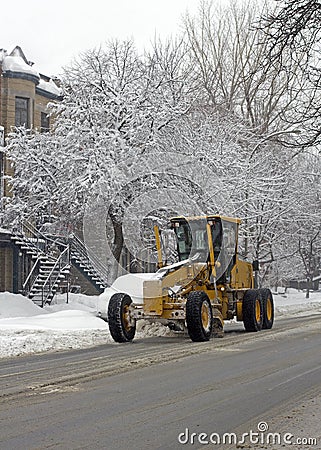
<point>209,284</point>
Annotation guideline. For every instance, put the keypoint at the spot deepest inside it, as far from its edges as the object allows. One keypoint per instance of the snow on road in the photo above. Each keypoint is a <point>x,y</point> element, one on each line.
<point>26,328</point>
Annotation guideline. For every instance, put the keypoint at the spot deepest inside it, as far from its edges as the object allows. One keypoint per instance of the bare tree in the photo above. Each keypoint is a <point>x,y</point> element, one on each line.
<point>228,52</point>
<point>306,227</point>
<point>294,25</point>
<point>293,32</point>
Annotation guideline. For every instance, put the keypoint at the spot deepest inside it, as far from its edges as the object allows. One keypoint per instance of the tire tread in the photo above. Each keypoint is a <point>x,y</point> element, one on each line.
<point>195,329</point>
<point>115,310</point>
<point>248,309</point>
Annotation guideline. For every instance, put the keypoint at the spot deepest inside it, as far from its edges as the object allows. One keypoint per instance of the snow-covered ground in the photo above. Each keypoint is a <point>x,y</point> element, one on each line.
<point>26,328</point>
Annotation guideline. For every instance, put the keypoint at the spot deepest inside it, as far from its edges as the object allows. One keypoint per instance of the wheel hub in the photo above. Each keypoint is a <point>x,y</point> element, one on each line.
<point>126,318</point>
<point>258,311</point>
<point>269,309</point>
<point>205,315</point>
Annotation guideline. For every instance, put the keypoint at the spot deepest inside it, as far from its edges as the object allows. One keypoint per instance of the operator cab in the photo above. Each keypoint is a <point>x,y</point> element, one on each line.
<point>192,240</point>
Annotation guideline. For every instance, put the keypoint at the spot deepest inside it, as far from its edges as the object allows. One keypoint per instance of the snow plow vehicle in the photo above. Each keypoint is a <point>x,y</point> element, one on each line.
<point>208,284</point>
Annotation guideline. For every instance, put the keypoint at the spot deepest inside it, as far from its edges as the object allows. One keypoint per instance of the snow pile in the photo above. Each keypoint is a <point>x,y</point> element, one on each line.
<point>15,341</point>
<point>75,301</point>
<point>62,320</point>
<point>27,328</point>
<point>293,302</point>
<point>147,329</point>
<point>15,305</point>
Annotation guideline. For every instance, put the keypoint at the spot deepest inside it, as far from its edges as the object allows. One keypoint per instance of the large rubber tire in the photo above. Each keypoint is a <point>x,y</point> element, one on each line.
<point>199,316</point>
<point>268,308</point>
<point>252,310</point>
<point>120,327</point>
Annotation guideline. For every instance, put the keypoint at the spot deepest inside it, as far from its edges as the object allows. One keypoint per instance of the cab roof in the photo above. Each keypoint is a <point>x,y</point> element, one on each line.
<point>207,218</point>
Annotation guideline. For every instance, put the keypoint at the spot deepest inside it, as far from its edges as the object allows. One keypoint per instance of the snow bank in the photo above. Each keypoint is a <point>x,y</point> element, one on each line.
<point>15,305</point>
<point>62,320</point>
<point>26,328</point>
<point>75,301</point>
<point>293,302</point>
<point>15,341</point>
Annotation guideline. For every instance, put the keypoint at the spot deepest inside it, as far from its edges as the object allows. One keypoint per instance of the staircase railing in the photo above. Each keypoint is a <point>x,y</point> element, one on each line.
<point>31,276</point>
<point>74,242</point>
<point>89,258</point>
<point>29,230</point>
<point>61,263</point>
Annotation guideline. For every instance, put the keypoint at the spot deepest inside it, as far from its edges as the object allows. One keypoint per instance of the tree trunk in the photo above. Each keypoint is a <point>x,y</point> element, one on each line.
<point>307,295</point>
<point>118,242</point>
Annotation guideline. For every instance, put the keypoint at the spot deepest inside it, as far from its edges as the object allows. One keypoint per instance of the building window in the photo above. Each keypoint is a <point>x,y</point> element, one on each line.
<point>22,112</point>
<point>44,122</point>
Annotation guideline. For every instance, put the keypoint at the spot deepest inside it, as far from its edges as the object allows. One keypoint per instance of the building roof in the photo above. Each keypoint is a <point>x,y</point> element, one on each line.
<point>16,65</point>
<point>48,86</point>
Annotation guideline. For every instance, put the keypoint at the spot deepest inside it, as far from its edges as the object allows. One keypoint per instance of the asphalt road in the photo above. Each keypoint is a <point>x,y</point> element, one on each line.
<point>145,394</point>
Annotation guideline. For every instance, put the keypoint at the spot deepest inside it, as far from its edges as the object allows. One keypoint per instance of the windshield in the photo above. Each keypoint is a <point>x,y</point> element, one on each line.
<point>184,240</point>
<point>192,242</point>
<point>226,256</point>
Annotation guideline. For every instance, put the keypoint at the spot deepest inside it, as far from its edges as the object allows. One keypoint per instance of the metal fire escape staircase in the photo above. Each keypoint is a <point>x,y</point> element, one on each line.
<point>52,258</point>
<point>50,266</point>
<point>88,264</point>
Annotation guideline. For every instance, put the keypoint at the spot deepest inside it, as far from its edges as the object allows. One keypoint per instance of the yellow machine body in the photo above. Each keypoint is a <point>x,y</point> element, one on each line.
<point>165,296</point>
<point>206,286</point>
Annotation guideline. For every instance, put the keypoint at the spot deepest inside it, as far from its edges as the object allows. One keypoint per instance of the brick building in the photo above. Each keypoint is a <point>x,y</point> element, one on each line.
<point>24,97</point>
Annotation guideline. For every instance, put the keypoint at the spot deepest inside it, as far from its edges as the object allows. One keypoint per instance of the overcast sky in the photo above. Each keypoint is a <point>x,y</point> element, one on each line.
<point>52,33</point>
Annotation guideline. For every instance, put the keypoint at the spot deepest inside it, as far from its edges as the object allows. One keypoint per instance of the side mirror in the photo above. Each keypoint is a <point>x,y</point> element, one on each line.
<point>256,265</point>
